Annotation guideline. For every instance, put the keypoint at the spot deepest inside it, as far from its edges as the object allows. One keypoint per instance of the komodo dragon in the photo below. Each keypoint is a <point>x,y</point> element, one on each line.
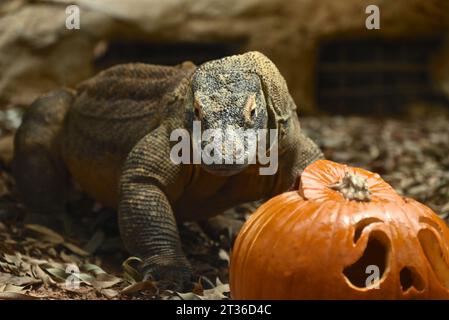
<point>111,136</point>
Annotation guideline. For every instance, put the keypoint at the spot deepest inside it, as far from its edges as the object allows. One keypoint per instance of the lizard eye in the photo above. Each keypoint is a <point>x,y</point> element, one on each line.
<point>197,109</point>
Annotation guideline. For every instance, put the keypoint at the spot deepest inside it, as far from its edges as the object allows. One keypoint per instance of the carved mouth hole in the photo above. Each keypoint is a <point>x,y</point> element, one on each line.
<point>375,254</point>
<point>361,225</point>
<point>410,278</point>
<point>432,249</point>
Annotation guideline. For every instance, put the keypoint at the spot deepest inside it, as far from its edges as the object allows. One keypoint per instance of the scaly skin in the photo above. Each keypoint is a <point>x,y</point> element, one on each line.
<point>112,137</point>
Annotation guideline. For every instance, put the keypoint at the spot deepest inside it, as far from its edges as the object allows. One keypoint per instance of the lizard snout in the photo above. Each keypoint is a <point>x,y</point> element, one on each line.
<point>226,155</point>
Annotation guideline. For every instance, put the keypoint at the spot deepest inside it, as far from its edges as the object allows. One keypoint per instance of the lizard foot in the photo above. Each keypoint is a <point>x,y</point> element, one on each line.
<point>169,274</point>
<point>219,225</point>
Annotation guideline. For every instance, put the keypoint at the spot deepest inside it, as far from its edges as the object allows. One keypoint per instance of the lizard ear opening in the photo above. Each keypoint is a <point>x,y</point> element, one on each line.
<point>272,116</point>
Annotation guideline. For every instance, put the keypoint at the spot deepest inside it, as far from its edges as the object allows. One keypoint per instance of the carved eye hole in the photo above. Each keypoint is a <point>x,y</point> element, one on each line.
<point>197,109</point>
<point>251,106</point>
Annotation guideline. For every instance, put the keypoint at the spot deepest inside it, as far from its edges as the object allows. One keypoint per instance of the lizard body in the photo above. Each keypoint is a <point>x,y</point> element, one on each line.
<point>111,136</point>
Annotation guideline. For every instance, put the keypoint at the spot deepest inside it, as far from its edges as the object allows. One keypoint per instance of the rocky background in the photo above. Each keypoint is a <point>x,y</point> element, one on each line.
<point>38,54</point>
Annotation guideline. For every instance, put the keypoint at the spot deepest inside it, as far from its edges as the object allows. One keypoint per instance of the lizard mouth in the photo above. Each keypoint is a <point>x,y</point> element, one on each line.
<point>224,169</point>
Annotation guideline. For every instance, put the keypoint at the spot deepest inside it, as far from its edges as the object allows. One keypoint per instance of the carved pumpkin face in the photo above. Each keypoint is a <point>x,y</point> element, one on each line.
<point>346,234</point>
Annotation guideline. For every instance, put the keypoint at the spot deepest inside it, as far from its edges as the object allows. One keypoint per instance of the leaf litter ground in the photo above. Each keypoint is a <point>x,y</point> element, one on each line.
<point>35,261</point>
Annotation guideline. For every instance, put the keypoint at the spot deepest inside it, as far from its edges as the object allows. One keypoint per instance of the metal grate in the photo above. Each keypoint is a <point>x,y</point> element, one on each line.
<point>375,76</point>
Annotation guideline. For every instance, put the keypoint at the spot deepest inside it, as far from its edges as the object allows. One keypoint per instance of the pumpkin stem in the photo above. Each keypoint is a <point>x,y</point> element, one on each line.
<point>352,187</point>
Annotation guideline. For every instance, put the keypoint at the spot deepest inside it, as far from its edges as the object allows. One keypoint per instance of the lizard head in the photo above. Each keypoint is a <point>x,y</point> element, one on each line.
<point>230,106</point>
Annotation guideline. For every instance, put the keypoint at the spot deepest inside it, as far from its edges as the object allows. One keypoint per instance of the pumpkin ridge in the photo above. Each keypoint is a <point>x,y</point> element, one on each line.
<point>308,233</point>
<point>249,237</point>
<point>254,234</point>
<point>341,209</point>
<point>287,223</point>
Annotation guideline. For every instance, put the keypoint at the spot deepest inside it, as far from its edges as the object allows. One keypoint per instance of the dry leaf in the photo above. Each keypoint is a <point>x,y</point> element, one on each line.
<point>216,293</point>
<point>16,296</point>
<point>38,273</point>
<point>104,281</point>
<point>188,296</point>
<point>146,285</point>
<point>46,233</point>
<point>6,278</point>
<point>75,249</point>
<point>109,293</point>
<point>131,273</point>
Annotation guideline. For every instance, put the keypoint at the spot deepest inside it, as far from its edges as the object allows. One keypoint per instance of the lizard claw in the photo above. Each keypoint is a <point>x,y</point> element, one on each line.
<point>169,275</point>
<point>223,229</point>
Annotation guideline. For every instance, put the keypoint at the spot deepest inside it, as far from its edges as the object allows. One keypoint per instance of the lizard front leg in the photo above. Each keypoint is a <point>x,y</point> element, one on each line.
<point>298,152</point>
<point>147,224</point>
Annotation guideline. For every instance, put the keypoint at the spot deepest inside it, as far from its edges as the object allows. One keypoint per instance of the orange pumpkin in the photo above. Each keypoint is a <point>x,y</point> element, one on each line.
<point>346,234</point>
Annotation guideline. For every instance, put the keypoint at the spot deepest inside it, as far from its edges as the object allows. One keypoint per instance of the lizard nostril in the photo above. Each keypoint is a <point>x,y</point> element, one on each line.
<point>253,113</point>
<point>238,152</point>
<point>197,109</point>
